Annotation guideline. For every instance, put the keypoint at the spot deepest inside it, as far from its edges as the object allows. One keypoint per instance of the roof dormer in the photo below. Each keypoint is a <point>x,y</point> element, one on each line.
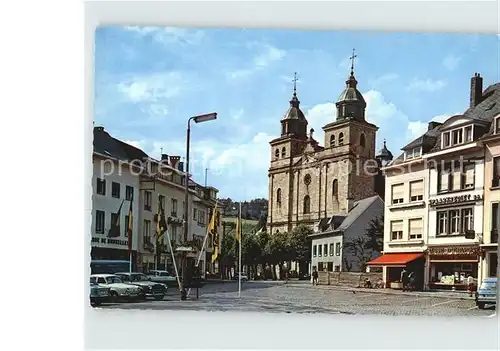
<point>459,130</point>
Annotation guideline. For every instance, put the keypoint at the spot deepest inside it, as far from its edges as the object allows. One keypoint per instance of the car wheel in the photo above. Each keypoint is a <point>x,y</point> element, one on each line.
<point>159,297</point>
<point>114,295</point>
<point>480,305</point>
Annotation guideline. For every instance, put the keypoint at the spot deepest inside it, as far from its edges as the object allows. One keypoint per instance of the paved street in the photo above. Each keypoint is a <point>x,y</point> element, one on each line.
<point>301,297</point>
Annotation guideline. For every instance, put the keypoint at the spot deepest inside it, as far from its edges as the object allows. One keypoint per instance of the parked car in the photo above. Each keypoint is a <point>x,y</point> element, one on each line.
<point>487,293</point>
<point>117,288</point>
<point>149,288</point>
<point>98,294</point>
<point>244,276</point>
<point>162,277</point>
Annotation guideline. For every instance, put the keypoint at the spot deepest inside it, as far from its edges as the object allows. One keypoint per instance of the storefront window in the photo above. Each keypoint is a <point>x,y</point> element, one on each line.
<point>453,273</point>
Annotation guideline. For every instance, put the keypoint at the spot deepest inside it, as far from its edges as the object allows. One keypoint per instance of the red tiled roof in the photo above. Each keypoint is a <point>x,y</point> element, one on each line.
<point>395,259</point>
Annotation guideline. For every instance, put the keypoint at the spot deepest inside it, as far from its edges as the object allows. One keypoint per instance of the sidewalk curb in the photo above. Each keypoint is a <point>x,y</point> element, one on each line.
<point>392,292</point>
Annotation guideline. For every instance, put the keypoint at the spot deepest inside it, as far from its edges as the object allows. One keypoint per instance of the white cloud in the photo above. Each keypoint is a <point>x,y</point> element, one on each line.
<point>451,62</point>
<point>229,162</point>
<point>170,35</point>
<point>265,55</point>
<point>269,55</point>
<point>375,83</point>
<point>427,85</point>
<point>152,88</point>
<point>416,129</point>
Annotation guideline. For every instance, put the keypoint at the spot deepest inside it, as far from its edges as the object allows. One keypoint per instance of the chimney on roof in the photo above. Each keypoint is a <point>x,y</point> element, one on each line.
<point>99,128</point>
<point>433,124</point>
<point>174,160</point>
<point>476,90</point>
<point>164,157</point>
<point>181,166</point>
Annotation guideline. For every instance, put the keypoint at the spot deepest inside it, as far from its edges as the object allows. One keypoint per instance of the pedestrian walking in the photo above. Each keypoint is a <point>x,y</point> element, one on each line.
<point>470,284</point>
<point>411,281</point>
<point>315,277</point>
<point>404,279</point>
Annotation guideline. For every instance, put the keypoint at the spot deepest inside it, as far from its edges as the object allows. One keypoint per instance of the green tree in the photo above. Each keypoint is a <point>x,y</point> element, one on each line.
<point>278,250</point>
<point>357,248</point>
<point>300,246</point>
<point>375,235</point>
<point>228,253</point>
<point>250,251</point>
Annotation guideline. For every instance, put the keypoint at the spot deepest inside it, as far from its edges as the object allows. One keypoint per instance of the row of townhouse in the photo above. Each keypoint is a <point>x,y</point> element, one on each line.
<point>124,175</point>
<point>442,199</point>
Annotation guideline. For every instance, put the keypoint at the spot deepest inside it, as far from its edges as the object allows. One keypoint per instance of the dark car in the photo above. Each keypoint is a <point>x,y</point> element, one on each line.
<point>149,288</point>
<point>487,293</point>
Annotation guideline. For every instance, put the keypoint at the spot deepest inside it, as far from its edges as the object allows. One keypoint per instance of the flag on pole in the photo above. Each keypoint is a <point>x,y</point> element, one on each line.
<point>114,231</point>
<point>212,228</point>
<point>161,222</point>
<point>238,229</point>
<point>129,228</point>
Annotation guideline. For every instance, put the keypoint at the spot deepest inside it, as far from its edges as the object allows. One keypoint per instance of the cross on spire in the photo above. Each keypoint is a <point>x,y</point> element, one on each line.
<point>295,80</point>
<point>352,61</point>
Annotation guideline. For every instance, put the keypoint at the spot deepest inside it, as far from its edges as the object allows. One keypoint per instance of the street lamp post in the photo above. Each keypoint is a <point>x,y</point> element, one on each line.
<point>196,119</point>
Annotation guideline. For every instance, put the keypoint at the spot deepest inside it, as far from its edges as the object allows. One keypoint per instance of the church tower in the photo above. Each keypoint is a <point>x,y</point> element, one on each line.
<point>309,182</point>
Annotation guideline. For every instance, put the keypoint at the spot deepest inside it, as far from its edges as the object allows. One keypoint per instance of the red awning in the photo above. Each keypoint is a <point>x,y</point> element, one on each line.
<point>395,259</point>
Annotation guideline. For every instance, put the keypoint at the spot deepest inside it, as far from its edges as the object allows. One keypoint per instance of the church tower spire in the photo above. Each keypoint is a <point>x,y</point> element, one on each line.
<point>294,121</point>
<point>351,104</point>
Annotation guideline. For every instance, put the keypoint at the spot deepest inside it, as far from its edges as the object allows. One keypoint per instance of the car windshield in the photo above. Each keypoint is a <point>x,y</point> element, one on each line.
<point>113,280</point>
<point>164,274</point>
<point>139,278</point>
<point>488,286</point>
<point>93,280</point>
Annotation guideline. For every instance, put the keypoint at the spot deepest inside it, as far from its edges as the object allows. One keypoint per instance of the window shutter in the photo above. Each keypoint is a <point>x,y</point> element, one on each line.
<point>469,175</point>
<point>397,226</point>
<point>416,226</point>
<point>417,188</point>
<point>397,191</point>
<point>444,179</point>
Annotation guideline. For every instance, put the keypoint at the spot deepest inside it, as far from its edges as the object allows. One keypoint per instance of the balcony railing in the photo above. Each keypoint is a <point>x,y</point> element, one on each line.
<point>494,236</point>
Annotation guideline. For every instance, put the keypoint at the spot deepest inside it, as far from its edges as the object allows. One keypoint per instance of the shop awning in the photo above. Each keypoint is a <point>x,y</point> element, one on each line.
<point>395,259</point>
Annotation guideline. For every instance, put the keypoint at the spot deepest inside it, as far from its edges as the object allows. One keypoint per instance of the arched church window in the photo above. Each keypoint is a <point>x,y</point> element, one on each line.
<point>307,204</point>
<point>283,152</point>
<point>341,138</point>
<point>335,188</point>
<point>278,196</point>
<point>362,140</point>
<point>332,140</point>
<point>277,153</point>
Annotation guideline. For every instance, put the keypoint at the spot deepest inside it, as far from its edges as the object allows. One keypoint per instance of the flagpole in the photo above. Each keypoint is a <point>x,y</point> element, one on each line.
<point>130,261</point>
<point>240,236</point>
<point>173,259</point>
<point>204,243</point>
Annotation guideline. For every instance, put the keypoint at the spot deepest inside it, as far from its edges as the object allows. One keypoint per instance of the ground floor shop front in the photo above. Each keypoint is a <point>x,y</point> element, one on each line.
<point>451,266</point>
<point>393,265</point>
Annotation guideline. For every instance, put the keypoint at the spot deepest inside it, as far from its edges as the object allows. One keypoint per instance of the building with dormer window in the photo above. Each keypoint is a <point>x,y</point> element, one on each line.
<point>435,198</point>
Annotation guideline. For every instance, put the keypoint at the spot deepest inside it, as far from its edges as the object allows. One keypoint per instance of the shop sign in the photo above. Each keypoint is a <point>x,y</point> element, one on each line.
<point>455,199</point>
<point>454,250</point>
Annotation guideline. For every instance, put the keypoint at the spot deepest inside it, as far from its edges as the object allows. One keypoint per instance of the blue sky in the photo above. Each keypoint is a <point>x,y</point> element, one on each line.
<point>150,80</point>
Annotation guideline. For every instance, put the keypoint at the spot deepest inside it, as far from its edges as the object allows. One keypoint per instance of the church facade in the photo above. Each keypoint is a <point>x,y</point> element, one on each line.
<point>309,182</point>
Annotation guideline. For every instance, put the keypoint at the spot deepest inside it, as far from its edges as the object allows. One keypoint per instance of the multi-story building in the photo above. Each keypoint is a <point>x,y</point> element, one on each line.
<point>115,182</point>
<point>491,141</point>
<point>405,215</point>
<point>123,173</point>
<point>434,198</point>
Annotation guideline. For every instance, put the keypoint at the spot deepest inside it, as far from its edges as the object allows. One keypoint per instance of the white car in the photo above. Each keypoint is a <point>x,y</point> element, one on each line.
<point>117,289</point>
<point>162,277</point>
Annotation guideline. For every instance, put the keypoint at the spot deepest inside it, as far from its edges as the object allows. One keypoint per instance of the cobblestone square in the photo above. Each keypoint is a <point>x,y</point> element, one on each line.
<point>302,297</point>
